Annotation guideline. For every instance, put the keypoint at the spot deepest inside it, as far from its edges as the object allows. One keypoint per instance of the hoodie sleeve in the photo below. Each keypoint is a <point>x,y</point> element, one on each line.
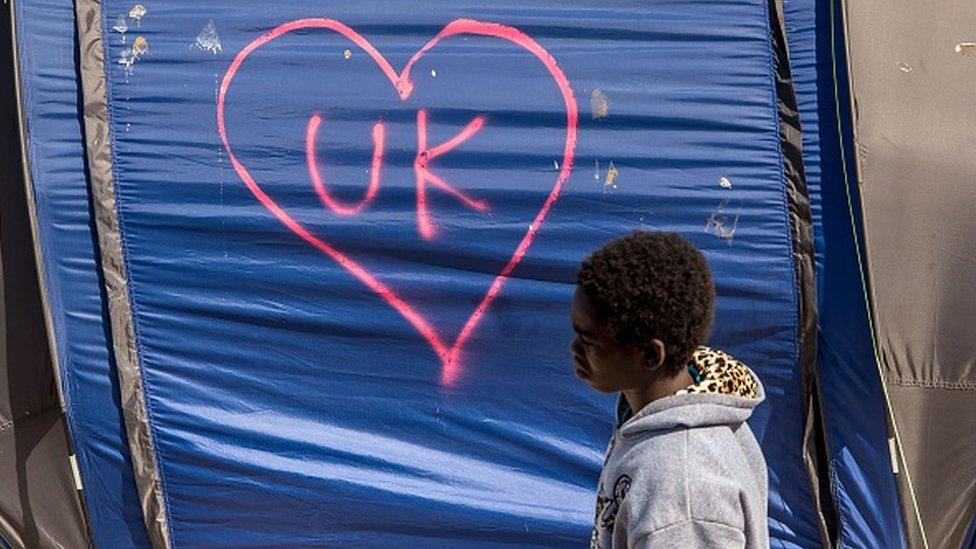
<point>691,534</point>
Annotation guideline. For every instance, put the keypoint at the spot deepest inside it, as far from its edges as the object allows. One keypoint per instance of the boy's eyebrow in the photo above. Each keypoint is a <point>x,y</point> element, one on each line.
<point>581,331</point>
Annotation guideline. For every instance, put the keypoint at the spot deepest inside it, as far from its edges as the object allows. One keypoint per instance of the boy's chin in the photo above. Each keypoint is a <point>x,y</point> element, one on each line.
<point>598,387</point>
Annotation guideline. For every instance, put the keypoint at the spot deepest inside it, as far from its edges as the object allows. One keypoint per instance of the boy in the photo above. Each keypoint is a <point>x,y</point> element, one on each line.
<point>683,469</point>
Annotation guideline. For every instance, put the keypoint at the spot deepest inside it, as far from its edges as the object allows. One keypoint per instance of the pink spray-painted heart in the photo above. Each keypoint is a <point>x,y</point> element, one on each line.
<point>449,354</point>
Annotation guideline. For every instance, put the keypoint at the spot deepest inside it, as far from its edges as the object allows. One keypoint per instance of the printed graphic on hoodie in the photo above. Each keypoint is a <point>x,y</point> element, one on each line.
<point>607,508</point>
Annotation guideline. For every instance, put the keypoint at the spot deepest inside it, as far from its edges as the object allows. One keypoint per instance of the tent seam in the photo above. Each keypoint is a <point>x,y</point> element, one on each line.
<point>952,385</point>
<point>127,271</point>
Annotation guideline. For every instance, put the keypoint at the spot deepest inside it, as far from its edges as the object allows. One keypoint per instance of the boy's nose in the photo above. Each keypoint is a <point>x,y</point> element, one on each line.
<point>575,347</point>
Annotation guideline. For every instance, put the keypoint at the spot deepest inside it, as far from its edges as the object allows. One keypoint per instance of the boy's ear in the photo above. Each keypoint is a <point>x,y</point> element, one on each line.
<point>654,354</point>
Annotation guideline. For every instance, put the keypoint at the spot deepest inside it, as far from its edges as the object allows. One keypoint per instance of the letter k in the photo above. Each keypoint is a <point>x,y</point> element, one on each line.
<point>421,167</point>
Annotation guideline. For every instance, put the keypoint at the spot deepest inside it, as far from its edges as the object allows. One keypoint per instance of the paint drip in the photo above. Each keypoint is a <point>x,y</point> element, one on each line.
<point>610,181</point>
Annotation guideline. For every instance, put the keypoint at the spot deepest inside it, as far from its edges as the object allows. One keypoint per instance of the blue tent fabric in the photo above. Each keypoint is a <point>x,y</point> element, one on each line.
<point>970,541</point>
<point>47,55</point>
<point>290,403</point>
<point>860,465</point>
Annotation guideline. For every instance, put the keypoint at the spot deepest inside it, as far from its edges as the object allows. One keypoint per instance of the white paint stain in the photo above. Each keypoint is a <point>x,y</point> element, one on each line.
<point>121,26</point>
<point>555,165</point>
<point>904,67</point>
<point>347,54</point>
<point>127,59</point>
<point>596,171</point>
<point>433,73</point>
<point>966,48</point>
<point>599,104</point>
<point>209,40</point>
<point>724,182</point>
<point>722,223</point>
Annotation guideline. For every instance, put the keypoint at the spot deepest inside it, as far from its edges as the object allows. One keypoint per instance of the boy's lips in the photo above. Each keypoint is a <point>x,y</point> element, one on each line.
<point>580,370</point>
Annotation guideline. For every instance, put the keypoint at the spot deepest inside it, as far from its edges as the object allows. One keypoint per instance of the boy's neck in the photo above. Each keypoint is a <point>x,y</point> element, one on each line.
<point>657,389</point>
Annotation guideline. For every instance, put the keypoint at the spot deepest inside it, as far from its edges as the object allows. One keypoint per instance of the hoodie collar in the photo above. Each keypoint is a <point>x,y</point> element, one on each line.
<point>726,391</point>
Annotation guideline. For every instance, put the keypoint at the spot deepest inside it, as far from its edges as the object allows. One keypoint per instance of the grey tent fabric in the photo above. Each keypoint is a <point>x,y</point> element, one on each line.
<point>913,65</point>
<point>39,503</point>
<point>39,506</point>
<point>134,407</point>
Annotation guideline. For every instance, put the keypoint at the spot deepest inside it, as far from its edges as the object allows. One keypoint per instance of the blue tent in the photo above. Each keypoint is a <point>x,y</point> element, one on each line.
<point>304,269</point>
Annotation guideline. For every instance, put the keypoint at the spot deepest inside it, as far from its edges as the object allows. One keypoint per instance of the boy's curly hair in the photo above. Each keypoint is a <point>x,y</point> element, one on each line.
<point>649,285</point>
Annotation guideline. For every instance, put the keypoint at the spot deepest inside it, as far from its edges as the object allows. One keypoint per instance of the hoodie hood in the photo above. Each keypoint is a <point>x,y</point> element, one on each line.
<point>725,393</point>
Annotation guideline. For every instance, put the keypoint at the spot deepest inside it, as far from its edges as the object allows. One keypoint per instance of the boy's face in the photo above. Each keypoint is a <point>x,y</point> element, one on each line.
<point>598,359</point>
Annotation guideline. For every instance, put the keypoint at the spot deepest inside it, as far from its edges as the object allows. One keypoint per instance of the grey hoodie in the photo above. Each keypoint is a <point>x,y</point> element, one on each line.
<point>685,472</point>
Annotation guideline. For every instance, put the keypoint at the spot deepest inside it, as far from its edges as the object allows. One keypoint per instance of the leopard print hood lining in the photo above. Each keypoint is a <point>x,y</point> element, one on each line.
<point>721,374</point>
